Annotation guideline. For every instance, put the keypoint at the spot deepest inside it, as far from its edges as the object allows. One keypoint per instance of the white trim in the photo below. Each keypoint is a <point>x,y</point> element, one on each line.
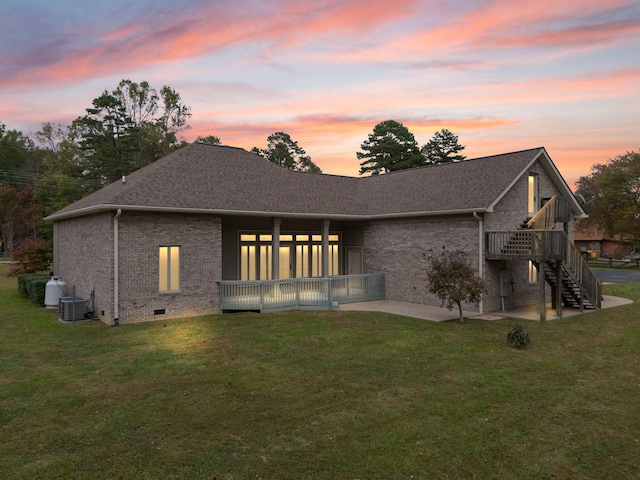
<point>116,268</point>
<point>513,182</point>
<point>247,213</point>
<point>556,178</point>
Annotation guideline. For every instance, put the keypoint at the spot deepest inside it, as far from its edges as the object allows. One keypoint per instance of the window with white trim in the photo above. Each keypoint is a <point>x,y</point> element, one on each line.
<point>169,268</point>
<point>533,202</point>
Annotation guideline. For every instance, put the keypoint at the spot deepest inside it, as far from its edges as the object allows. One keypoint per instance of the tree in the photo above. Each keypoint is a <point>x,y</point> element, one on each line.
<point>106,138</point>
<point>210,139</point>
<point>391,146</point>
<point>453,280</point>
<point>612,195</point>
<point>19,158</point>
<point>442,148</point>
<point>173,120</point>
<point>283,151</point>
<point>64,168</point>
<point>129,128</point>
<point>19,216</point>
<point>32,256</point>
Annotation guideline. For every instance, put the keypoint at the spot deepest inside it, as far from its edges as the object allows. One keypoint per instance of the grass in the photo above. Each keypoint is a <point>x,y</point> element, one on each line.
<point>318,395</point>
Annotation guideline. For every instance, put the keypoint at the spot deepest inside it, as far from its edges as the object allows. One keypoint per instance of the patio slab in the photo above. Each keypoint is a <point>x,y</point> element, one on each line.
<point>415,310</point>
<point>437,314</point>
<point>532,312</point>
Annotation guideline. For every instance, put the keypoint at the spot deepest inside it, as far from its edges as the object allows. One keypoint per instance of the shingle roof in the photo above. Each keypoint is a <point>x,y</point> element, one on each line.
<point>219,179</point>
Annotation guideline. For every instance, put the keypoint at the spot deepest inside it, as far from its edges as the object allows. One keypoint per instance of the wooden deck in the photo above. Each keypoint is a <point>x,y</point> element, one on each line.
<point>554,253</point>
<point>299,293</point>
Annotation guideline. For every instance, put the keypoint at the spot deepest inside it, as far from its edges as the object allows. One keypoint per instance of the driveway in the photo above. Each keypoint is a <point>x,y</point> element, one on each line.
<point>618,276</point>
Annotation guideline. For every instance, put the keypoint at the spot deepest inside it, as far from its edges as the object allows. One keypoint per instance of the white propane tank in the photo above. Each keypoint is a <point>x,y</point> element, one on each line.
<point>53,291</point>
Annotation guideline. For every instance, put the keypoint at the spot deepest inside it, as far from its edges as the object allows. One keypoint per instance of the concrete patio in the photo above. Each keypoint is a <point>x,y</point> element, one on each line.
<point>436,314</point>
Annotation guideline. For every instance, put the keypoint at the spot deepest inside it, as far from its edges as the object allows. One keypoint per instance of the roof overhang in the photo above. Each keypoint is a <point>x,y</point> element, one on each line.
<point>250,213</point>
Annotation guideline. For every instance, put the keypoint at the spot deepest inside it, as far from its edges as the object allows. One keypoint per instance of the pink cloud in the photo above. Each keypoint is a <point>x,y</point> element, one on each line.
<point>548,22</point>
<point>213,27</point>
<point>508,25</point>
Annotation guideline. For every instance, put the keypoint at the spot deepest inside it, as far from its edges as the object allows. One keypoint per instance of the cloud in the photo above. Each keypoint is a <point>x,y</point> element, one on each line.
<point>546,23</point>
<point>477,29</point>
<point>93,50</point>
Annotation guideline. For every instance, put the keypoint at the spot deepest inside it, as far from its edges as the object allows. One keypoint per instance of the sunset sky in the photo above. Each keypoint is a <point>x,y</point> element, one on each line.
<point>503,75</point>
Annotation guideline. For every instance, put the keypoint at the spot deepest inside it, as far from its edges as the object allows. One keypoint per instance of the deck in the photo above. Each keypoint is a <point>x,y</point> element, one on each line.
<point>299,293</point>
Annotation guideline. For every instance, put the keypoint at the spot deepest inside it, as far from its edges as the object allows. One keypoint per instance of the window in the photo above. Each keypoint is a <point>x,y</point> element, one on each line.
<point>300,255</point>
<point>169,269</point>
<point>532,194</point>
<point>533,273</point>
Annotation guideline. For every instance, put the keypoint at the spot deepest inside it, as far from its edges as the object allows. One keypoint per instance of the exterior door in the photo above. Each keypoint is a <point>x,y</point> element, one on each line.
<point>354,260</point>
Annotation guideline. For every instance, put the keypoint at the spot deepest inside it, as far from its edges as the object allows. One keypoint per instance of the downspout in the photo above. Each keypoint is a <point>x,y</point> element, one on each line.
<point>116,275</point>
<point>480,255</point>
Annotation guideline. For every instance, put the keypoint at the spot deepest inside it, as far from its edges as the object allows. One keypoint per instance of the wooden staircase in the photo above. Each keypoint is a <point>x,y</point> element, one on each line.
<point>571,290</point>
<point>552,253</point>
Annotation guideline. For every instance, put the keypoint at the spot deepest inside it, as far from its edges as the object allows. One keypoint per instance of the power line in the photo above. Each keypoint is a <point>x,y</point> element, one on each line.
<point>29,179</point>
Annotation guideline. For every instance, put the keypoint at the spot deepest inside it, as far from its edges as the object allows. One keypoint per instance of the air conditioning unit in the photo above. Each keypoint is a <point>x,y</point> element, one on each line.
<point>72,309</point>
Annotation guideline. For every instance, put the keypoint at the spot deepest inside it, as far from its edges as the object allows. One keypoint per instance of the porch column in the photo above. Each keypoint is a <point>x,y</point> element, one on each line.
<point>275,248</point>
<point>325,247</point>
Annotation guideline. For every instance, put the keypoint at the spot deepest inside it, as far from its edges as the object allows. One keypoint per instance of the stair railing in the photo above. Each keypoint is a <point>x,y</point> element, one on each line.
<point>542,243</point>
<point>545,218</point>
<point>579,270</point>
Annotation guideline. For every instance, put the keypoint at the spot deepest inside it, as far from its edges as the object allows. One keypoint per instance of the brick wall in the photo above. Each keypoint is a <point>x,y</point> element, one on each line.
<point>508,214</point>
<point>398,249</point>
<point>84,258</point>
<point>200,240</point>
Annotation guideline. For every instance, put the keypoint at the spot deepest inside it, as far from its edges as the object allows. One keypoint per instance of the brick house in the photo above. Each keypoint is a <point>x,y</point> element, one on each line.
<point>162,242</point>
<point>594,239</point>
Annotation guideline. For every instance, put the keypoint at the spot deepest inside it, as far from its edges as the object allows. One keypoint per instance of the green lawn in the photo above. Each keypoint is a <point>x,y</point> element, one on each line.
<point>318,395</point>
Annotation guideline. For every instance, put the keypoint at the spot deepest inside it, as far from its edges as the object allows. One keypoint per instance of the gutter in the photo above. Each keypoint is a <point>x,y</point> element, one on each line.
<point>116,284</point>
<point>480,256</point>
<point>259,213</point>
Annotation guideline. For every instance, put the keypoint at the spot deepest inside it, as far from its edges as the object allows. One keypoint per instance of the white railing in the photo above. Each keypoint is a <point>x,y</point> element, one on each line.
<point>300,293</point>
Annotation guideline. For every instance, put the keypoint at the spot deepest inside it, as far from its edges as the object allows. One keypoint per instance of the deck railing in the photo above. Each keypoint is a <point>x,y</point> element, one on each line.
<point>544,246</point>
<point>535,245</point>
<point>557,209</point>
<point>299,293</point>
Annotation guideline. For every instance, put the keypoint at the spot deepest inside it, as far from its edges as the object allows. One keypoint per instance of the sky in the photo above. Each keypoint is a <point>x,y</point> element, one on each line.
<point>502,75</point>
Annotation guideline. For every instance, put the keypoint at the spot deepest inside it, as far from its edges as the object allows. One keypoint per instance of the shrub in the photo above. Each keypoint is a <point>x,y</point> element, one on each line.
<point>33,287</point>
<point>518,337</point>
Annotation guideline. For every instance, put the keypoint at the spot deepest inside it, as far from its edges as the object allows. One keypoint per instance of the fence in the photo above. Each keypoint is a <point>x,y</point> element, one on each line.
<point>300,293</point>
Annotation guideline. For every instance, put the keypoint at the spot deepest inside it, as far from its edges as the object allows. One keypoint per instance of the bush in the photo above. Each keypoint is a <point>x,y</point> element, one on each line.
<point>518,337</point>
<point>33,287</point>
<point>33,255</point>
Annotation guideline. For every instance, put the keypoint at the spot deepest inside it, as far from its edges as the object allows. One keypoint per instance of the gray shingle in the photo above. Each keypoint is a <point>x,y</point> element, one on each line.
<point>228,179</point>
